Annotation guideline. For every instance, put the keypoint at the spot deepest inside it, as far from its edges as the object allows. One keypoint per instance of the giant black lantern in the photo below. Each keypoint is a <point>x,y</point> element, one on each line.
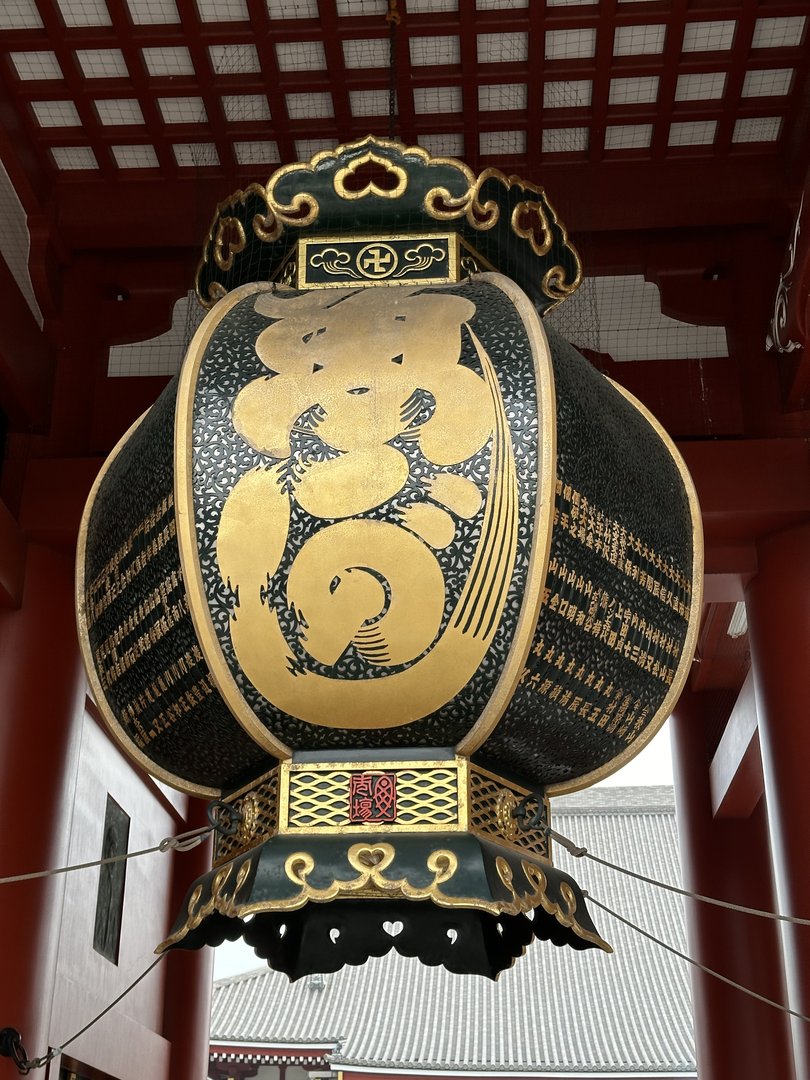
<point>387,567</point>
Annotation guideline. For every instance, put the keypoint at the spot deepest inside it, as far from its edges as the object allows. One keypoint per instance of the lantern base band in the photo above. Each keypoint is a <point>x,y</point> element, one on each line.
<point>309,904</point>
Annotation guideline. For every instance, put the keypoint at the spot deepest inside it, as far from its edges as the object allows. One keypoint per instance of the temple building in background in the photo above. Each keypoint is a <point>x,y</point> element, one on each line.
<point>555,1014</point>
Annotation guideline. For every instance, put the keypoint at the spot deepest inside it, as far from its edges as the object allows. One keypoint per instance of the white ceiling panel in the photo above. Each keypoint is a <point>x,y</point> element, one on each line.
<point>292,9</point>
<point>770,82</point>
<point>168,60</point>
<point>33,66</point>
<point>119,112</point>
<point>641,90</point>
<point>779,33</point>
<point>301,56</point>
<point>102,63</point>
<point>570,44</point>
<point>182,110</point>
<point>693,133</point>
<point>503,48</point>
<point>153,12</point>
<point>19,15</point>
<point>361,7</point>
<point>263,152</point>
<point>197,155</point>
<point>702,86</point>
<point>368,102</point>
<point>74,157</point>
<point>565,139</point>
<point>234,59</point>
<point>443,145</point>
<point>307,148</point>
<point>572,94</point>
<point>436,99</point>
<point>500,97</point>
<point>757,129</point>
<point>84,12</point>
<point>239,108</point>
<point>304,106</point>
<point>645,40</point>
<point>710,35</point>
<point>223,10</point>
<point>435,51</point>
<point>57,114</point>
<point>364,53</point>
<point>628,136</point>
<point>501,143</point>
<point>135,157</point>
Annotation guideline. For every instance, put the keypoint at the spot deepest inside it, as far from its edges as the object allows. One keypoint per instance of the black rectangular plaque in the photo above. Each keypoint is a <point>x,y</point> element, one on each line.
<point>111,881</point>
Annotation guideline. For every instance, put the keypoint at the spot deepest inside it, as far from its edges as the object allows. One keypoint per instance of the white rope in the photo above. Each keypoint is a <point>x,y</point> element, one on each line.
<point>581,852</point>
<point>696,963</point>
<point>184,842</point>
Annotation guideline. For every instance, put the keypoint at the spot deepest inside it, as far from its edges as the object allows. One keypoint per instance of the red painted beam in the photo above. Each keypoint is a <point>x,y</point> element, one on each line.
<point>612,195</point>
<point>26,360</point>
<point>56,490</point>
<point>749,487</point>
<point>12,559</point>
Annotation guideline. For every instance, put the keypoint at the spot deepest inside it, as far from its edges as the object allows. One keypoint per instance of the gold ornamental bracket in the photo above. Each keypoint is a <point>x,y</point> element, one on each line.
<point>509,223</point>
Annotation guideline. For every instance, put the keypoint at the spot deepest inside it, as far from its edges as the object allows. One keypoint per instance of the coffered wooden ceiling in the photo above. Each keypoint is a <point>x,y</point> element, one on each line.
<point>692,110</point>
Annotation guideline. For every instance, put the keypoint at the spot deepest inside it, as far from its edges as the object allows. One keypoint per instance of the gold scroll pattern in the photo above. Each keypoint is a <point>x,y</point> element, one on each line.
<point>347,367</point>
<point>371,881</point>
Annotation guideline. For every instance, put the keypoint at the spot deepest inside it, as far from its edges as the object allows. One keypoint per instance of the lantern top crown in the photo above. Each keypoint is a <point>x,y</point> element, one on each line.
<point>378,185</point>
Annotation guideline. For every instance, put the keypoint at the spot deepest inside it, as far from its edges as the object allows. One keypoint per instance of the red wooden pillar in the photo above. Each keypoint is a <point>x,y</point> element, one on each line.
<point>737,1038</point>
<point>778,604</point>
<point>187,1010</point>
<point>41,697</point>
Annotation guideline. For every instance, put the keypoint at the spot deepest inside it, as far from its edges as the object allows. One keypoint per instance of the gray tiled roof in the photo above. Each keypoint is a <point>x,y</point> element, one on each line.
<point>555,1011</point>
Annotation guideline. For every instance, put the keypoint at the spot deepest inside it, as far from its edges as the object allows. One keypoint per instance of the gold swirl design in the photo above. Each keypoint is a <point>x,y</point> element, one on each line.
<point>371,863</point>
<point>564,913</point>
<point>371,188</point>
<point>222,900</point>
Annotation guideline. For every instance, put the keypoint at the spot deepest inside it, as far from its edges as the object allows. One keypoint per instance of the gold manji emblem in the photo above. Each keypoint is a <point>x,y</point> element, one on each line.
<point>407,259</point>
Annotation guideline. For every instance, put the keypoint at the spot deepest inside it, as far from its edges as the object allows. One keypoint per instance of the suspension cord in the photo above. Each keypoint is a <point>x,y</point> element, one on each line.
<point>183,842</point>
<point>25,1066</point>
<point>393,20</point>
<point>695,963</point>
<point>581,852</point>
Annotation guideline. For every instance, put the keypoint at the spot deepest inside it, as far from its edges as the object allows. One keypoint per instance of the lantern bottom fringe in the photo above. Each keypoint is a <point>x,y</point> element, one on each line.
<point>452,899</point>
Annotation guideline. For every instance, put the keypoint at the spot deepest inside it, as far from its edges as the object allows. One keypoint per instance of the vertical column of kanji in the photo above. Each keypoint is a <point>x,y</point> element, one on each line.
<point>778,605</point>
<point>737,1038</point>
<point>41,699</point>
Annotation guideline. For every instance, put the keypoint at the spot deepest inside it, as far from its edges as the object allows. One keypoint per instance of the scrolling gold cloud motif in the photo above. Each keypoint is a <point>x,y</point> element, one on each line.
<point>348,368</point>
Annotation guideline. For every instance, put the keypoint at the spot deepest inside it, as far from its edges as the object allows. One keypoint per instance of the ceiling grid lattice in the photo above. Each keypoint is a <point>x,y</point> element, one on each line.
<point>195,83</point>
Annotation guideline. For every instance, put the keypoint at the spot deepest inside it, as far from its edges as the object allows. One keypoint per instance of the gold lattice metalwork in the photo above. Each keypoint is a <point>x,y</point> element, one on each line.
<point>258,805</point>
<point>316,797</point>
<point>492,801</point>
<point>446,796</point>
